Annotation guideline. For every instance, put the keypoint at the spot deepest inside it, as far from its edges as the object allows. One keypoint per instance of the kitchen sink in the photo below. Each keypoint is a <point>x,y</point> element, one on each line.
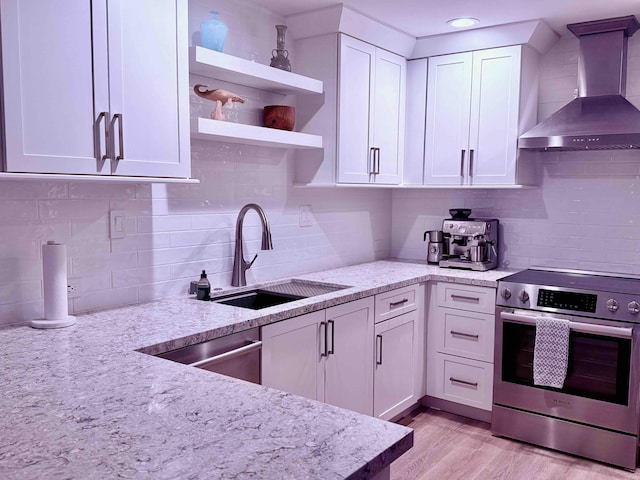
<point>256,299</point>
<point>277,294</point>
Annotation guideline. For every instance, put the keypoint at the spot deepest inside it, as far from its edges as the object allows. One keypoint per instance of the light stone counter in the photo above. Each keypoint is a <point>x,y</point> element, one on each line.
<point>82,403</point>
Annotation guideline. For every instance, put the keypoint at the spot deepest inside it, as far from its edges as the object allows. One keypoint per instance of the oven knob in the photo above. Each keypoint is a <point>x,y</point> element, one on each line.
<point>505,293</point>
<point>523,296</point>
<point>634,307</point>
<point>612,305</point>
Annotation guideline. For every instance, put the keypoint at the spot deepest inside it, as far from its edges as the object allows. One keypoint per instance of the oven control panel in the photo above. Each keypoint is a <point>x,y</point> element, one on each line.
<point>605,305</point>
<point>577,302</point>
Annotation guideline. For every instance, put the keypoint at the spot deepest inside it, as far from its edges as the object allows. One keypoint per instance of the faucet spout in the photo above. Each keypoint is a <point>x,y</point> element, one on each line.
<point>240,265</point>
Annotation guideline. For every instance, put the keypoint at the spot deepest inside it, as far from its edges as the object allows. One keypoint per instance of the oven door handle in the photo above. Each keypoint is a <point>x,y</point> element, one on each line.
<point>621,332</point>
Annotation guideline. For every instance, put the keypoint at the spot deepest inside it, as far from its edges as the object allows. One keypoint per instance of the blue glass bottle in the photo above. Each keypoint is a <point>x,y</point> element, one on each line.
<point>213,32</point>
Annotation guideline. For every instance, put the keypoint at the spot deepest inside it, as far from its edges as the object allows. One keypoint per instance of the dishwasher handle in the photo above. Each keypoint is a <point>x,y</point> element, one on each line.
<point>238,352</point>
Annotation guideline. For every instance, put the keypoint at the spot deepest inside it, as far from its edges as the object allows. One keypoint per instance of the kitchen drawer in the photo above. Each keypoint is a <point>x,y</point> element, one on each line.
<point>465,334</point>
<point>466,297</point>
<point>464,381</point>
<point>396,302</point>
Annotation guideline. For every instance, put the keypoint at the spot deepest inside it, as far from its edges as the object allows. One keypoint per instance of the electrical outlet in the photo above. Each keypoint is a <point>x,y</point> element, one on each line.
<point>305,216</point>
<point>73,288</point>
<point>116,224</point>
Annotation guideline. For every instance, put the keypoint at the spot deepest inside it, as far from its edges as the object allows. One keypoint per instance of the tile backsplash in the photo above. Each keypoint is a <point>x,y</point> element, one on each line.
<point>584,212</point>
<point>173,231</point>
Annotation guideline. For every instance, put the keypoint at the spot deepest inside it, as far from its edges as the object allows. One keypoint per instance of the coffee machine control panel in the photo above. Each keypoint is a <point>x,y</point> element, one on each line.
<point>466,228</point>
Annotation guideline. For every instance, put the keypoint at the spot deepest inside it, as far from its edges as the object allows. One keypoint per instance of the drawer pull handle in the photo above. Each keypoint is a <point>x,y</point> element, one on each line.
<point>464,297</point>
<point>400,302</point>
<point>462,334</point>
<point>463,382</point>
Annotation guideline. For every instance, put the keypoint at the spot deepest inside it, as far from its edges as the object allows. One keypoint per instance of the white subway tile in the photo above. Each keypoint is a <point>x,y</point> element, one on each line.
<point>140,276</point>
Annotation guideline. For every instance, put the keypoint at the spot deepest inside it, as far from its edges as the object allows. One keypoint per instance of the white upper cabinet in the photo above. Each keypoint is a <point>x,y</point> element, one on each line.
<point>361,116</point>
<point>477,105</point>
<point>89,88</point>
<point>371,113</point>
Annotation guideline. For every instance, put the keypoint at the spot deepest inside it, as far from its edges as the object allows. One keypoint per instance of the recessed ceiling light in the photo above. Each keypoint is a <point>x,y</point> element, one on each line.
<point>463,22</point>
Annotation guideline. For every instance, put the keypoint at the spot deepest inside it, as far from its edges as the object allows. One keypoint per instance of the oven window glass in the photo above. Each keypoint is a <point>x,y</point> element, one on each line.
<point>598,366</point>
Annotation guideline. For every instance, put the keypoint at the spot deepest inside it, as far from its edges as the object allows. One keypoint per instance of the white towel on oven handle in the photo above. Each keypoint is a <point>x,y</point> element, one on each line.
<point>551,352</point>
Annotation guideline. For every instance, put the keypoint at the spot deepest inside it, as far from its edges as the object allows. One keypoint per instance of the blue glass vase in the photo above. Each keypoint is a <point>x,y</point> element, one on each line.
<point>213,32</point>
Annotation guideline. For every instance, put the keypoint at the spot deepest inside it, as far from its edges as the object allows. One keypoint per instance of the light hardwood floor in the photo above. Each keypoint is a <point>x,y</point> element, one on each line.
<point>449,447</point>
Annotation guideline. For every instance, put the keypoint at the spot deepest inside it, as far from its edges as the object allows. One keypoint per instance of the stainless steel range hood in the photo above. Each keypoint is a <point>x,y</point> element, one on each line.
<point>600,118</point>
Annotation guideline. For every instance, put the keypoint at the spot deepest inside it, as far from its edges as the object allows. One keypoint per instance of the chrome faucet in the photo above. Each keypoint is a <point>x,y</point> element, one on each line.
<point>240,265</point>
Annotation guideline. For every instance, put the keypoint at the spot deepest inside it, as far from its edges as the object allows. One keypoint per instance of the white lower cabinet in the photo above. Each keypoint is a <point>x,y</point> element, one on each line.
<point>399,348</point>
<point>325,355</point>
<point>463,380</point>
<point>396,353</point>
<point>291,355</point>
<point>460,344</point>
<point>339,357</point>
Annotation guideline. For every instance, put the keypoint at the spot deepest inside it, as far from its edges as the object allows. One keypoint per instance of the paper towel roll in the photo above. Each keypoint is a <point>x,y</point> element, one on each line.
<point>54,276</point>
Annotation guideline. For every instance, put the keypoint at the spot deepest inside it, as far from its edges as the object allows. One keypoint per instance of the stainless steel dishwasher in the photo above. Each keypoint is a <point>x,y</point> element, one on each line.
<point>236,355</point>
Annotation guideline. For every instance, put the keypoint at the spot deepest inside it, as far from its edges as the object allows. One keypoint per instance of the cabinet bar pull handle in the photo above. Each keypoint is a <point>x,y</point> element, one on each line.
<point>372,161</point>
<point>99,155</point>
<point>379,338</point>
<point>471,163</point>
<point>399,302</point>
<point>463,382</point>
<point>333,337</point>
<point>377,153</point>
<point>462,163</point>
<point>464,297</point>
<point>462,334</point>
<point>323,352</point>
<point>118,117</point>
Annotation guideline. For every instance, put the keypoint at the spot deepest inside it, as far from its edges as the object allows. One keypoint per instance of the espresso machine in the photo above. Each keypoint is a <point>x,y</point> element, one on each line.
<point>470,243</point>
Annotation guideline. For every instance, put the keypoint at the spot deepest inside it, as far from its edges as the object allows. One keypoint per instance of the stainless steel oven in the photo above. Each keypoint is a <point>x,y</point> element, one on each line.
<point>595,413</point>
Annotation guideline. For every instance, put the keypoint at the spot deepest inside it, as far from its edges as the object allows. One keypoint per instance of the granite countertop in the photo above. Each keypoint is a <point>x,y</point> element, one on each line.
<point>83,402</point>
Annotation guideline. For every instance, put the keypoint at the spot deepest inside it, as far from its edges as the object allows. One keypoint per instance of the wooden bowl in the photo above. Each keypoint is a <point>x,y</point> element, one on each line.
<point>282,117</point>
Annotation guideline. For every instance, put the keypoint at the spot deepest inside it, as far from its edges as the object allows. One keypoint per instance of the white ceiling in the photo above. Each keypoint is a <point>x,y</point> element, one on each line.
<point>421,18</point>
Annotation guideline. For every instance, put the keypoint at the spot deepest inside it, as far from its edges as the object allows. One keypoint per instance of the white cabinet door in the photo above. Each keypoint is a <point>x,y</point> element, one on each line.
<point>389,116</point>
<point>493,132</point>
<point>371,110</point>
<point>349,366</point>
<point>85,81</point>
<point>48,64</point>
<point>447,122</point>
<point>395,363</point>
<point>148,78</point>
<point>476,107</point>
<point>325,355</point>
<point>355,110</point>
<point>291,355</point>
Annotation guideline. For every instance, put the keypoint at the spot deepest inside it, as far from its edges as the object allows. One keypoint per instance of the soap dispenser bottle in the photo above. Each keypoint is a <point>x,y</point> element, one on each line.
<point>204,287</point>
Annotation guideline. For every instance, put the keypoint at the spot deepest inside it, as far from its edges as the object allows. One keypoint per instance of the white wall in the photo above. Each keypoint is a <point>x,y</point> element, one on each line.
<point>174,231</point>
<point>585,213</point>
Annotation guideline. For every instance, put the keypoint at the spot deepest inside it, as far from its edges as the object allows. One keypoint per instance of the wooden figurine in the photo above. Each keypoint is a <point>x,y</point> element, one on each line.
<point>221,97</point>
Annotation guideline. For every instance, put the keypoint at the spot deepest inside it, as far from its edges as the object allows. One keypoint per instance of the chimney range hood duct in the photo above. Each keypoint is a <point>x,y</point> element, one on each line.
<point>600,118</point>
